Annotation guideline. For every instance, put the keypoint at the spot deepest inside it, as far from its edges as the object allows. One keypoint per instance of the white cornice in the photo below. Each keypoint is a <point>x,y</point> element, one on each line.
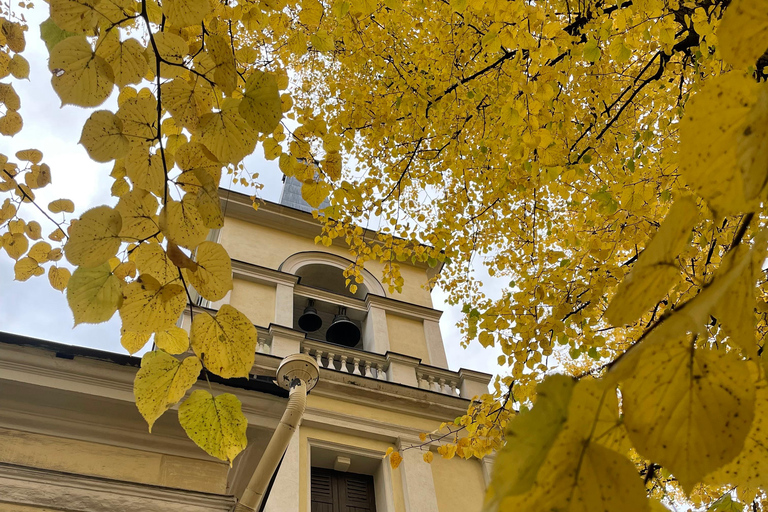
<point>78,493</point>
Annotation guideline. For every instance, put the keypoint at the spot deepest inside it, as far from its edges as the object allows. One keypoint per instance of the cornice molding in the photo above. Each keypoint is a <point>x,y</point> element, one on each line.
<point>78,493</point>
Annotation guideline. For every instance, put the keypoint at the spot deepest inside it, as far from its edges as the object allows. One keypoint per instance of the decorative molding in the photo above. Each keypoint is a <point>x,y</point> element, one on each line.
<point>406,309</point>
<point>23,485</point>
<point>258,274</point>
<point>293,263</point>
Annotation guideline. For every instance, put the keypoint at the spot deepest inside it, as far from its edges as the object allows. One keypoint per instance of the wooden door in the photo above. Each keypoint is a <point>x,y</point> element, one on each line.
<point>333,491</point>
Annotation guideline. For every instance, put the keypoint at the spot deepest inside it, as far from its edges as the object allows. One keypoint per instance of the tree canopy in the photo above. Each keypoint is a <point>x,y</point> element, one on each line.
<point>605,157</point>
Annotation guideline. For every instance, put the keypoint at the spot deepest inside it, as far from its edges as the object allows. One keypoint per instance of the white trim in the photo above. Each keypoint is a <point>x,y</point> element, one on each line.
<point>23,485</point>
<point>293,263</point>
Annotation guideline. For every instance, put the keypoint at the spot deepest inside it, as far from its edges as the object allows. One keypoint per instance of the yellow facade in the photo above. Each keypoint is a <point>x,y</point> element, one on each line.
<point>58,453</point>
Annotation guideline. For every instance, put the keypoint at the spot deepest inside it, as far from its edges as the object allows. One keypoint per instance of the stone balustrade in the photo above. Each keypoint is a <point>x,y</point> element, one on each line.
<point>438,380</point>
<point>347,360</point>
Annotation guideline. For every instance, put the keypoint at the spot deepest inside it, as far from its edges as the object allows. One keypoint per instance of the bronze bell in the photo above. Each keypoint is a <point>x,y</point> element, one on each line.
<point>343,331</point>
<point>310,321</point>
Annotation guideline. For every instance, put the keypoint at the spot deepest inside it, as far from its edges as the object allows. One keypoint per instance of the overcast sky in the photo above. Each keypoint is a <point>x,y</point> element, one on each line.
<point>33,308</point>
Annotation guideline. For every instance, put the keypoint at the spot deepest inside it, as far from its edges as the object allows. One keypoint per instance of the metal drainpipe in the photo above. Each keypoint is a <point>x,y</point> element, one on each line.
<point>299,374</point>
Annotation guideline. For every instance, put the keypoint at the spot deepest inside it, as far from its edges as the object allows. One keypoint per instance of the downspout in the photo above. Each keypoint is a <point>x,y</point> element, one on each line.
<point>299,374</point>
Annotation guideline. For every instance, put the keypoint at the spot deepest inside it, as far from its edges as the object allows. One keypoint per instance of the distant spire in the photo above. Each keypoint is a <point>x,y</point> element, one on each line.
<point>291,196</point>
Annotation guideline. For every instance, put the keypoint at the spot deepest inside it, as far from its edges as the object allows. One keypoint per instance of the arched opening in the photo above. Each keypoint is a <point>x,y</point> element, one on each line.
<point>328,278</point>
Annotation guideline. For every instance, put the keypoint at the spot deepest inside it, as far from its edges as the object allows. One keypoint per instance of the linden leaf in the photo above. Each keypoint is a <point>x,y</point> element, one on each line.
<point>9,97</point>
<point>747,470</point>
<point>395,459</point>
<point>213,277</point>
<point>187,102</point>
<point>315,192</point>
<point>151,259</point>
<point>133,341</point>
<point>655,270</point>
<point>161,382</point>
<point>530,435</point>
<point>15,244</point>
<point>94,294</point>
<point>182,224</point>
<point>19,67</point>
<point>138,209</point>
<point>217,425</point>
<point>103,137</point>
<point>311,13</point>
<point>173,340</point>
<point>39,252</point>
<point>260,105</point>
<point>80,77</point>
<point>59,277</point>
<point>139,117</point>
<point>52,34</point>
<point>172,49</point>
<point>715,119</point>
<point>34,156</point>
<point>226,134</point>
<point>226,344</point>
<point>94,238</point>
<point>428,457</point>
<point>688,408</point>
<point>183,13</point>
<point>150,306</point>
<point>179,258</point>
<point>225,73</point>
<point>11,123</point>
<point>743,32</point>
<point>145,169</point>
<point>80,16</point>
<point>61,205</point>
<point>26,268</point>
<point>126,58</point>
<point>193,158</point>
<point>14,35</point>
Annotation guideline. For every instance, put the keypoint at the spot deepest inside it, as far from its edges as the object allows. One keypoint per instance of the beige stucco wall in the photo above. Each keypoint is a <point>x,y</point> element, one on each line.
<point>254,300</point>
<point>373,413</point>
<point>10,507</point>
<point>406,336</point>
<point>81,457</point>
<point>459,484</point>
<point>270,247</point>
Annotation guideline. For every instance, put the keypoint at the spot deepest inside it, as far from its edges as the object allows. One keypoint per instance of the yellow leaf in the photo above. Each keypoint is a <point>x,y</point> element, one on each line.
<point>388,452</point>
<point>103,138</point>
<point>187,102</point>
<point>11,123</point>
<point>34,156</point>
<point>193,158</point>
<point>311,13</point>
<point>39,176</point>
<point>93,294</point>
<point>688,409</point>
<point>133,341</point>
<point>79,76</point>
<point>125,270</point>
<point>172,49</point>
<point>150,306</point>
<point>323,41</point>
<point>743,32</point>
<point>145,169</point>
<point>33,230</point>
<point>139,117</point>
<point>59,277</point>
<point>227,135</point>
<point>183,13</point>
<point>94,238</point>
<point>57,235</point>
<point>332,165</point>
<point>530,435</point>
<point>261,105</point>
<point>217,425</point>
<point>7,211</point>
<point>9,97</point>
<point>579,473</point>
<point>715,119</point>
<point>173,340</point>
<point>213,277</point>
<point>26,268</point>
<point>15,244</point>
<point>182,224</point>
<point>747,470</point>
<point>80,16</point>
<point>138,210</point>
<point>315,192</point>
<point>61,205</point>
<point>14,35</point>
<point>395,459</point>
<point>151,259</point>
<point>179,258</point>
<point>19,67</point>
<point>220,50</point>
<point>55,254</point>
<point>428,457</point>
<point>161,382</point>
<point>39,252</point>
<point>226,344</point>
<point>655,270</point>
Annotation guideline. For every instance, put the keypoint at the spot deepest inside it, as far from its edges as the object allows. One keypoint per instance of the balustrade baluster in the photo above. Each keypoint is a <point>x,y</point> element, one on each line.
<point>368,369</point>
<point>344,364</point>
<point>331,362</point>
<point>441,385</point>
<point>319,357</point>
<point>356,366</point>
<point>380,373</point>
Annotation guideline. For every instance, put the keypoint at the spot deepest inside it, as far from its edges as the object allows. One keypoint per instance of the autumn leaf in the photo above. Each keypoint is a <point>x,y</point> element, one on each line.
<point>213,276</point>
<point>226,343</point>
<point>95,237</point>
<point>94,294</point>
<point>79,76</point>
<point>150,306</point>
<point>215,424</point>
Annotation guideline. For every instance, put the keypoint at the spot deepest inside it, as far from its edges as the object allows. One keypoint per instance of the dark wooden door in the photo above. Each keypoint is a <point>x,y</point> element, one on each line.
<point>333,491</point>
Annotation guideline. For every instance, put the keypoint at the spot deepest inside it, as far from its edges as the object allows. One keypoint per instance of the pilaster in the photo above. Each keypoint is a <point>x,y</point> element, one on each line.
<point>285,341</point>
<point>473,383</point>
<point>402,369</point>
<point>418,484</point>
<point>284,304</point>
<point>435,347</point>
<point>376,335</point>
<point>285,492</point>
